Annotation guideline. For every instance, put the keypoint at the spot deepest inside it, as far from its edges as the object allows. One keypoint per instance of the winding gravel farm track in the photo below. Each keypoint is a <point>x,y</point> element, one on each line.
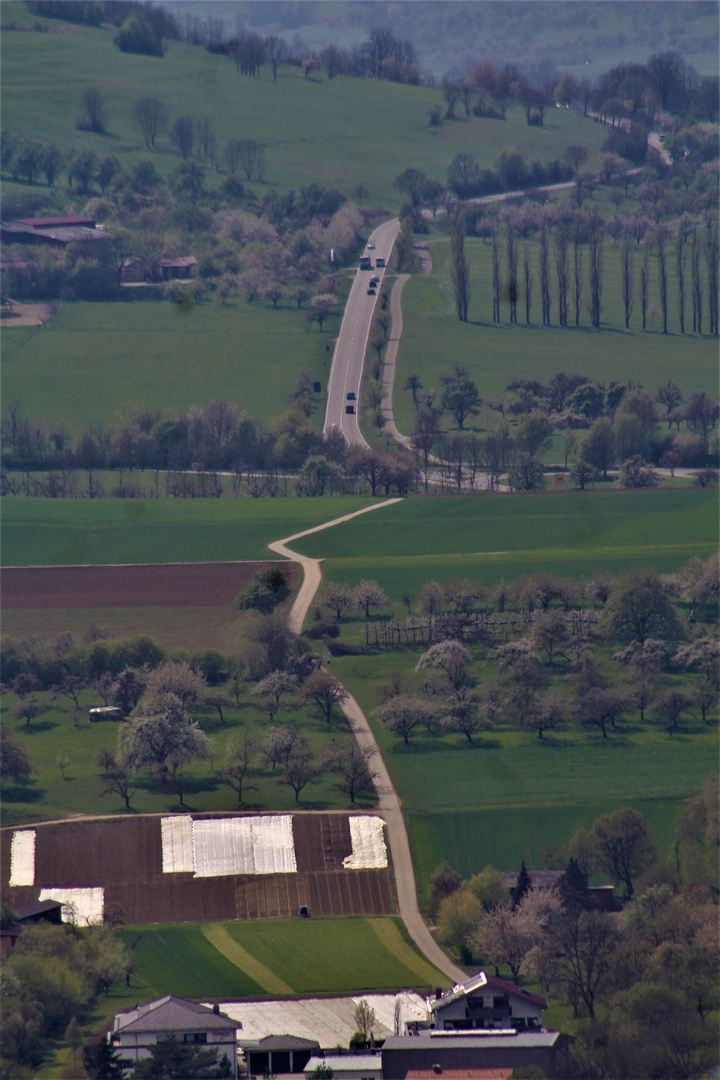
<point>388,801</point>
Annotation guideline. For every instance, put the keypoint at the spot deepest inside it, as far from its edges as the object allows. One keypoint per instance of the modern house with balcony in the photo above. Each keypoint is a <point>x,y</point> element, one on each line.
<point>486,1001</point>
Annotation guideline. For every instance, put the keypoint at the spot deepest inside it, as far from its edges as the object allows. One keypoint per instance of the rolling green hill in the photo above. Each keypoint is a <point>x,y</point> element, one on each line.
<point>336,132</point>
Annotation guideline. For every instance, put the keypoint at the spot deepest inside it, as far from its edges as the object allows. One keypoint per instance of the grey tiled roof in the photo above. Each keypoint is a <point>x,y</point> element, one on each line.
<point>287,1042</point>
<point>173,1014</point>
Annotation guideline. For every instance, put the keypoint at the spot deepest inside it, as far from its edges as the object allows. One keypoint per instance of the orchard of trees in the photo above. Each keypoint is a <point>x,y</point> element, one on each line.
<point>551,653</point>
<point>165,698</point>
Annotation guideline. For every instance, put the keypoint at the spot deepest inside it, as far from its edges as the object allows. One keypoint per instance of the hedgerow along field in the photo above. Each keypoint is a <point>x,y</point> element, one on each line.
<point>337,132</point>
<point>434,340</point>
<point>70,532</point>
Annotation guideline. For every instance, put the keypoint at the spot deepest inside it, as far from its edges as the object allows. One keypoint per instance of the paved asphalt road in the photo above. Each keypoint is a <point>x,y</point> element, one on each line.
<point>347,363</point>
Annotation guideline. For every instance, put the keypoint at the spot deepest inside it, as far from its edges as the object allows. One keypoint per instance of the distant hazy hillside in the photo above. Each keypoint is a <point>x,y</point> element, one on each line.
<point>449,35</point>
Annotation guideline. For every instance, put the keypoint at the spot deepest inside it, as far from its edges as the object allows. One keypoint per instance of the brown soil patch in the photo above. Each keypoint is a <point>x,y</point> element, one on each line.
<point>27,314</point>
<point>162,585</point>
<point>124,855</point>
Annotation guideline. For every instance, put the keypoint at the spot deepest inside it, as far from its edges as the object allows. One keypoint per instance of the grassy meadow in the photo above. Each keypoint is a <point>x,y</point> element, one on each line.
<point>509,796</point>
<point>494,354</point>
<point>505,536</point>
<point>505,837</point>
<point>335,132</point>
<point>93,362</point>
<point>50,532</point>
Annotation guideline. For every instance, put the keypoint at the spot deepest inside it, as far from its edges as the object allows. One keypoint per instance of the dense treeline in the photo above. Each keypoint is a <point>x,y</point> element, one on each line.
<point>621,424</point>
<point>53,975</point>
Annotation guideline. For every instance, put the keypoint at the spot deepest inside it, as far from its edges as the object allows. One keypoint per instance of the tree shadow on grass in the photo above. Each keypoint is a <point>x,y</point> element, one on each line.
<point>39,728</point>
<point>413,749</point>
<point>18,793</point>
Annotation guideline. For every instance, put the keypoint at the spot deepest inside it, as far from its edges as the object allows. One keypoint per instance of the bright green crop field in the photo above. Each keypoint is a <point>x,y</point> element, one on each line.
<point>495,536</point>
<point>95,359</point>
<point>434,340</point>
<point>49,532</point>
<point>335,132</point>
<point>307,957</point>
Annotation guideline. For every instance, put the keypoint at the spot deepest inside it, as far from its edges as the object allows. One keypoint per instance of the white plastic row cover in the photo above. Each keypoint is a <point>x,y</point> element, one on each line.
<point>368,844</point>
<point>83,907</point>
<point>257,845</point>
<point>22,858</point>
<point>177,844</point>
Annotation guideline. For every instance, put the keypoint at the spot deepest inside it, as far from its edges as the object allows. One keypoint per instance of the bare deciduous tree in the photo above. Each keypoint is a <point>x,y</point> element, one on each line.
<point>94,116</point>
<point>544,273</point>
<point>627,278</point>
<point>150,115</point>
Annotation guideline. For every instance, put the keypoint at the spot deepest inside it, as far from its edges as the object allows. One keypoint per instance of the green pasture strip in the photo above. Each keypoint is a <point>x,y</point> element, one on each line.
<point>330,955</point>
<point>470,839</point>
<point>578,521</point>
<point>179,959</point>
<point>494,354</point>
<point>335,132</point>
<point>55,532</point>
<point>399,576</point>
<point>93,359</point>
<point>388,933</point>
<point>218,936</point>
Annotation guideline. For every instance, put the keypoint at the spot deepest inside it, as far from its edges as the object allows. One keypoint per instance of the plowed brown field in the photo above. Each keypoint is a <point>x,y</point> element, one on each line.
<point>162,585</point>
<point>124,601</point>
<point>124,855</point>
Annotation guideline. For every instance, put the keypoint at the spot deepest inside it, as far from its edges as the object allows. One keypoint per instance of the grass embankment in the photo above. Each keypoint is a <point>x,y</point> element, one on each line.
<point>95,362</point>
<point>69,532</point>
<point>335,132</point>
<point>505,536</point>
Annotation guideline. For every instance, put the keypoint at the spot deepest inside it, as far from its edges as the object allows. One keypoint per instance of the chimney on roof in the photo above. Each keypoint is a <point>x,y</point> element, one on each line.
<point>438,992</point>
<point>216,1009</point>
